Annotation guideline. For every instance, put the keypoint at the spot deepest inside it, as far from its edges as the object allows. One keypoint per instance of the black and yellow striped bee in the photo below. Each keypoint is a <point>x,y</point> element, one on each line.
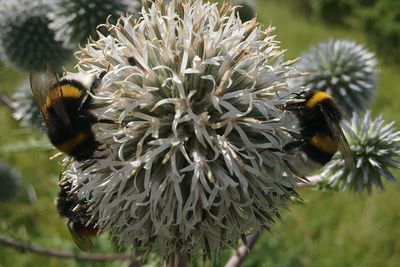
<point>65,107</point>
<point>320,132</point>
<point>75,211</point>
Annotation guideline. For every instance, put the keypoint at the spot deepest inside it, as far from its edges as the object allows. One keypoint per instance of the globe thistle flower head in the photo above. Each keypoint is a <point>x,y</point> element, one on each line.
<point>375,146</point>
<point>196,163</point>
<point>246,9</point>
<point>74,21</point>
<point>343,69</point>
<point>26,41</point>
<point>25,108</point>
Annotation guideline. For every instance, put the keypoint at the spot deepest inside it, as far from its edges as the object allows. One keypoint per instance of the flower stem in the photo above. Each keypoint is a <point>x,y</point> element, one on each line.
<point>176,261</point>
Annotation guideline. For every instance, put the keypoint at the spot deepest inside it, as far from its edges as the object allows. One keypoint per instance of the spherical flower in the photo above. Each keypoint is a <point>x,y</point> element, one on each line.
<point>74,21</point>
<point>26,41</point>
<point>25,108</point>
<point>10,183</point>
<point>246,9</point>
<point>376,147</point>
<point>343,69</point>
<point>197,161</point>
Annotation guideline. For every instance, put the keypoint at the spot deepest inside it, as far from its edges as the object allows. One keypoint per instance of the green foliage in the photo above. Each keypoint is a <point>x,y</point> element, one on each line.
<point>332,11</point>
<point>381,25</point>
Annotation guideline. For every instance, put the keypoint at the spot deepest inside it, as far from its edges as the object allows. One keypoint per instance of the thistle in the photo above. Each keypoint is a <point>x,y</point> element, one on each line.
<point>74,21</point>
<point>25,108</point>
<point>246,9</point>
<point>10,183</point>
<point>26,41</point>
<point>376,147</point>
<point>196,163</point>
<point>343,69</point>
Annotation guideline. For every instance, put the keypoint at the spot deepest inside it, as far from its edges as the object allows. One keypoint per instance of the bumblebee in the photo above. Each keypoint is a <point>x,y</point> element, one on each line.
<point>65,107</point>
<point>320,133</point>
<point>75,211</point>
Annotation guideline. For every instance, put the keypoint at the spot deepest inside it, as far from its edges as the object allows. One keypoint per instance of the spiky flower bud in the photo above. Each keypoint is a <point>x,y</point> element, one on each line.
<point>74,21</point>
<point>10,183</point>
<point>343,69</point>
<point>376,147</point>
<point>246,9</point>
<point>25,108</point>
<point>26,41</point>
<point>197,162</point>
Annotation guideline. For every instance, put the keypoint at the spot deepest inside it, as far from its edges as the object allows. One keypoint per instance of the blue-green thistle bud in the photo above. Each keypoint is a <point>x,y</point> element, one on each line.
<point>74,21</point>
<point>10,183</point>
<point>375,146</point>
<point>26,41</point>
<point>246,9</point>
<point>343,69</point>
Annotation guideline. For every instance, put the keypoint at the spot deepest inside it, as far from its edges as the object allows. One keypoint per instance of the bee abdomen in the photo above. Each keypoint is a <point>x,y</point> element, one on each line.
<point>320,149</point>
<point>80,146</point>
<point>74,141</point>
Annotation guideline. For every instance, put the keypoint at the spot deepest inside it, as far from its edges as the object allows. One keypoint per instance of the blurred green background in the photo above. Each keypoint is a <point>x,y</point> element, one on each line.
<point>331,229</point>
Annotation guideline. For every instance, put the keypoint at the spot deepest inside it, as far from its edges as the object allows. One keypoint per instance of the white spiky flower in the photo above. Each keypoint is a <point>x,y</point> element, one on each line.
<point>25,108</point>
<point>196,164</point>
<point>344,69</point>
<point>74,21</point>
<point>376,147</point>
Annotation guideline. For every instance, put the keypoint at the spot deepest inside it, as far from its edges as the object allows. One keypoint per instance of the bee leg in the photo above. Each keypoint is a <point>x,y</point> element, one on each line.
<point>109,121</point>
<point>293,170</point>
<point>293,134</point>
<point>294,144</point>
<point>86,104</point>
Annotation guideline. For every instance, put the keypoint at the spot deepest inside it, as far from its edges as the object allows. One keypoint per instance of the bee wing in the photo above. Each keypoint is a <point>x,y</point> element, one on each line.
<point>341,140</point>
<point>83,242</point>
<point>46,93</point>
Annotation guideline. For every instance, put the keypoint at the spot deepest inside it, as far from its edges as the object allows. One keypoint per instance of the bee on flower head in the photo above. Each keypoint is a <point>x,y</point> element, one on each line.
<point>320,136</point>
<point>75,211</point>
<point>65,107</point>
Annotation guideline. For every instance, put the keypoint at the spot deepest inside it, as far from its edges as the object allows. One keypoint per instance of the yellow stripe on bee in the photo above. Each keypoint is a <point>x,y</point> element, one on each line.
<point>70,144</point>
<point>324,143</point>
<point>63,91</point>
<point>316,98</point>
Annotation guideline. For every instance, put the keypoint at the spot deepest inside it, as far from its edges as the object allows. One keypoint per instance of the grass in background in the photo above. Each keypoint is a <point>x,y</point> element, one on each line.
<point>330,230</point>
<point>333,228</point>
